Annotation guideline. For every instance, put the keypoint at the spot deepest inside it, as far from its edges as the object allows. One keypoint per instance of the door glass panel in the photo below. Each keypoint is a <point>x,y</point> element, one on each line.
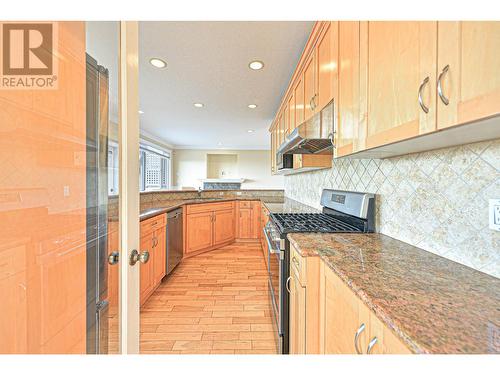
<point>59,217</point>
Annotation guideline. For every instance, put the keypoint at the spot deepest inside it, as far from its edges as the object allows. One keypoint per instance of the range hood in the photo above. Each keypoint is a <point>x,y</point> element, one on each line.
<point>314,136</point>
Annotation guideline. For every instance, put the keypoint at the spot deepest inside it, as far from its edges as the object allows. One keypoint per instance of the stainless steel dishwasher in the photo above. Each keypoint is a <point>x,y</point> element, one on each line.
<point>174,239</point>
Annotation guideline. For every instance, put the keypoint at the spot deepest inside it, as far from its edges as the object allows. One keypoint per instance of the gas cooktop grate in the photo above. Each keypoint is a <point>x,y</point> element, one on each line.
<point>325,223</point>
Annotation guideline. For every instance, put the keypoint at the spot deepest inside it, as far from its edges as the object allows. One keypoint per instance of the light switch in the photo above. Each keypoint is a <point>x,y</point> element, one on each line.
<point>66,191</point>
<point>495,214</point>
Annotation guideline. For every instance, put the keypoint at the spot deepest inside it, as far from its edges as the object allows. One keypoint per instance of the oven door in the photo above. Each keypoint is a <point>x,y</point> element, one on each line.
<point>274,269</point>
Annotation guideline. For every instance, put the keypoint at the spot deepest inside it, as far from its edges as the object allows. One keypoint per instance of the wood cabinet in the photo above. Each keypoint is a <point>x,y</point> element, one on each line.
<point>208,226</point>
<point>401,65</point>
<point>224,226</point>
<point>153,240</point>
<point>471,83</point>
<point>309,86</point>
<point>248,220</point>
<point>348,100</point>
<point>304,303</point>
<point>346,325</point>
<point>396,81</point>
<point>198,231</point>
<point>264,218</point>
<point>327,65</point>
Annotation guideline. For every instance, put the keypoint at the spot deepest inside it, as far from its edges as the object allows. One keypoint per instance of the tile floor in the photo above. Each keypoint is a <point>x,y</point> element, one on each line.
<point>213,303</point>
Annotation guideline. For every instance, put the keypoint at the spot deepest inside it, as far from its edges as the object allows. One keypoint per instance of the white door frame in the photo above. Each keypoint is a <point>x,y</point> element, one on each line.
<point>129,319</point>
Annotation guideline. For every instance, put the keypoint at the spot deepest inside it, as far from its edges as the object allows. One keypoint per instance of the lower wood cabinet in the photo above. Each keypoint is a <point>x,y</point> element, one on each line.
<point>264,218</point>
<point>208,226</point>
<point>304,303</point>
<point>248,220</point>
<point>153,240</point>
<point>347,325</point>
<point>326,317</point>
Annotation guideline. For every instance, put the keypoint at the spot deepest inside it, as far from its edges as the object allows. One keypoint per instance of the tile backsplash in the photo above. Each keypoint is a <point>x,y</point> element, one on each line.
<point>436,200</point>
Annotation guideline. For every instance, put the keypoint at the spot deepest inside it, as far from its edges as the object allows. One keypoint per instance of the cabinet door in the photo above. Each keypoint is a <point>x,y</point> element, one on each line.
<point>159,255</point>
<point>341,316</point>
<point>327,56</point>
<point>400,56</point>
<point>472,82</point>
<point>273,153</point>
<point>146,269</point>
<point>291,113</point>
<point>297,315</point>
<point>348,102</point>
<point>198,231</point>
<point>299,100</point>
<point>245,223</point>
<point>309,87</point>
<point>224,228</point>
<point>255,221</point>
<point>384,341</point>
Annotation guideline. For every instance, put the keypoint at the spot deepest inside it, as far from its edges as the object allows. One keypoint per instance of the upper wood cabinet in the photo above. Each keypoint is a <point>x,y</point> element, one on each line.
<point>298,92</point>
<point>469,66</point>
<point>327,65</point>
<point>400,60</point>
<point>309,86</point>
<point>348,104</point>
<point>291,113</point>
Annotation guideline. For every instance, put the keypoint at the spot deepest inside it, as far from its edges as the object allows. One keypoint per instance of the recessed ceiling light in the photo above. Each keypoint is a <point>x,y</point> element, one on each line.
<point>198,105</point>
<point>250,131</point>
<point>256,65</point>
<point>157,63</point>
<point>141,112</point>
<point>252,106</point>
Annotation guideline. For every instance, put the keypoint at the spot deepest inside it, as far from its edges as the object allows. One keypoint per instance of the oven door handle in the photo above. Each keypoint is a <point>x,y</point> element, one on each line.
<point>270,247</point>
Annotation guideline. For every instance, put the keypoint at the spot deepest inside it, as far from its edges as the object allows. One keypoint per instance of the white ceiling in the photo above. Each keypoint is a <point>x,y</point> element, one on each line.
<point>208,63</point>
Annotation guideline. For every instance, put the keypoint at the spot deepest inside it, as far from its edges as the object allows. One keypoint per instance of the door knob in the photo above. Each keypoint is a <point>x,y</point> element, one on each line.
<point>113,257</point>
<point>136,257</point>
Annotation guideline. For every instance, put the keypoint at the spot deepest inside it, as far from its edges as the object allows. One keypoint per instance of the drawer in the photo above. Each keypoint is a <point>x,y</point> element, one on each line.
<point>245,204</point>
<point>298,265</point>
<point>207,207</point>
<point>156,222</point>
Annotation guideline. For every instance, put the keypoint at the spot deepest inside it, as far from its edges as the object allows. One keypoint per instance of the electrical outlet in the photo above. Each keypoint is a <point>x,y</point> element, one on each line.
<point>495,214</point>
<point>66,191</point>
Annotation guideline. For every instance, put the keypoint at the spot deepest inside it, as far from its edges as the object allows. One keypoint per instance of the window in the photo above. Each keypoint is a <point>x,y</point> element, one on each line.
<point>154,168</point>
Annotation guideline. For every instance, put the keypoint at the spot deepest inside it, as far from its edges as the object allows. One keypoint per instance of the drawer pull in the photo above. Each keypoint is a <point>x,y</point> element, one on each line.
<point>288,284</point>
<point>295,261</point>
<point>356,337</point>
<point>371,344</point>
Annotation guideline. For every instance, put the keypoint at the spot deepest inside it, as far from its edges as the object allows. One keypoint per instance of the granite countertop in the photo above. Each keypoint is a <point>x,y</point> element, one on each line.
<point>172,205</point>
<point>433,304</point>
<point>287,205</point>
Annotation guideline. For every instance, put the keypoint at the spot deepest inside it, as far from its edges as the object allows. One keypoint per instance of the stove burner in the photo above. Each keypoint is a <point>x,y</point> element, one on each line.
<point>321,222</point>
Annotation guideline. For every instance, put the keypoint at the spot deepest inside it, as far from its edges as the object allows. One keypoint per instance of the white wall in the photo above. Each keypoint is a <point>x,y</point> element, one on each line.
<point>190,166</point>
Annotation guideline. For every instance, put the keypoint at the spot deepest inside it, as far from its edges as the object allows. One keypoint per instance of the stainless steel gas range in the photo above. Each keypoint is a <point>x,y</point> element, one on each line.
<point>343,212</point>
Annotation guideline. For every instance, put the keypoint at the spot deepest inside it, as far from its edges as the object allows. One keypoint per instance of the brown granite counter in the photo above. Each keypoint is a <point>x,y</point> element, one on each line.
<point>287,205</point>
<point>167,206</point>
<point>433,304</point>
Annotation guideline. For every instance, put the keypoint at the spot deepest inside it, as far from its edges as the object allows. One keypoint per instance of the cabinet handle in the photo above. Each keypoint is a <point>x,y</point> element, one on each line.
<point>287,284</point>
<point>371,344</point>
<point>295,261</point>
<point>314,101</point>
<point>356,337</point>
<point>420,99</point>
<point>443,98</point>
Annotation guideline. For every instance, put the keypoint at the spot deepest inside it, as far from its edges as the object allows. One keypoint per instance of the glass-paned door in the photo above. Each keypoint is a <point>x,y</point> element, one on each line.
<point>59,190</point>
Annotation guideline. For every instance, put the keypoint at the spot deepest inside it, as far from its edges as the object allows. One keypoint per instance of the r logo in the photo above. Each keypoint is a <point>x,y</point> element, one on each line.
<point>27,49</point>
